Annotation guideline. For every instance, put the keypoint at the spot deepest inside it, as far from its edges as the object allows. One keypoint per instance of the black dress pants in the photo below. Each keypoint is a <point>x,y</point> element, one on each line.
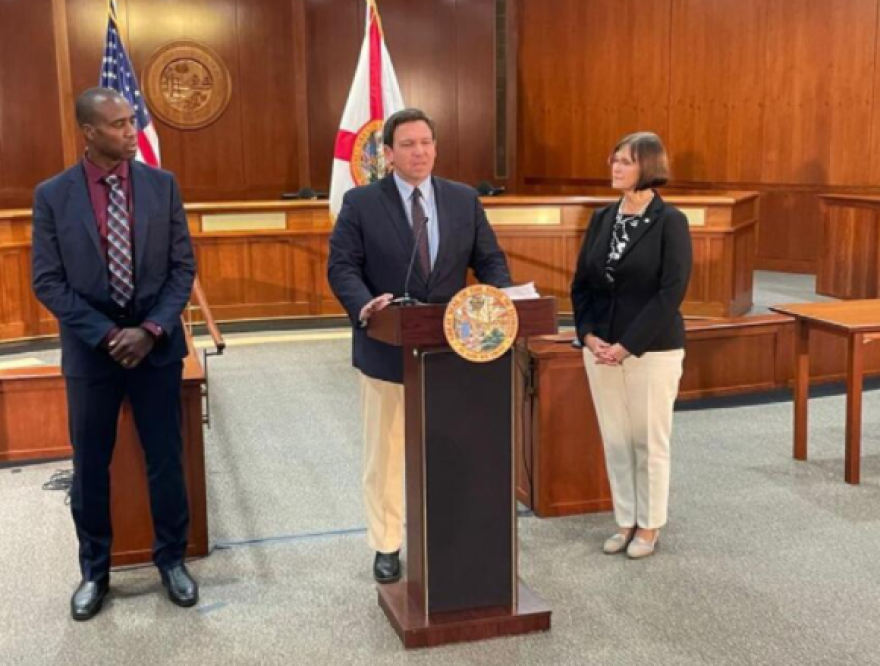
<point>93,406</point>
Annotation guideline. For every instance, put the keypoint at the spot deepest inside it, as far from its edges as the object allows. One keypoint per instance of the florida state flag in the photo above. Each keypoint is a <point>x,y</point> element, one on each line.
<point>374,95</point>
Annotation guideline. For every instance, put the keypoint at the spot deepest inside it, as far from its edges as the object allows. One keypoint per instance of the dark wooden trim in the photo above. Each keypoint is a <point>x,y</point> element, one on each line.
<point>65,83</point>
<point>806,267</point>
<point>855,368</point>
<point>416,630</point>
<point>300,90</point>
<point>512,13</point>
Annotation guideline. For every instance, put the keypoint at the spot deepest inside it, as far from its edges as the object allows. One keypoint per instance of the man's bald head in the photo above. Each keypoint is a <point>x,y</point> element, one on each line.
<point>108,125</point>
<point>89,102</point>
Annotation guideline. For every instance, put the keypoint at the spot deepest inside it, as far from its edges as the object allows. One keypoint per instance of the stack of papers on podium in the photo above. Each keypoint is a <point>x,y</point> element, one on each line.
<point>521,292</point>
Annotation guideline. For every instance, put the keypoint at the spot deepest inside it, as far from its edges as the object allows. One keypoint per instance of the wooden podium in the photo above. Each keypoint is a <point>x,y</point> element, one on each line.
<point>461,580</point>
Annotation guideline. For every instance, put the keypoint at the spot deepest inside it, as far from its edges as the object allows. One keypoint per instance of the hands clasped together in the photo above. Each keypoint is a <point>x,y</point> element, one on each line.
<point>605,352</point>
<point>130,346</point>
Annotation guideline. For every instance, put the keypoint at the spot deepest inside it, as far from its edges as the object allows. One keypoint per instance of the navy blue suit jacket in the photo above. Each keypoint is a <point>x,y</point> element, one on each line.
<point>70,274</point>
<point>371,247</point>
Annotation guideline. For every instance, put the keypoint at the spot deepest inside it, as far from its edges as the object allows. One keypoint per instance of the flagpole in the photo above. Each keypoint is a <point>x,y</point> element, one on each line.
<point>113,15</point>
<point>373,4</point>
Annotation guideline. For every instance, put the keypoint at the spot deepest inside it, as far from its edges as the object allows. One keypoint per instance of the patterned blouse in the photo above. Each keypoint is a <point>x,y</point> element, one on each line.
<point>620,237</point>
<point>619,241</point>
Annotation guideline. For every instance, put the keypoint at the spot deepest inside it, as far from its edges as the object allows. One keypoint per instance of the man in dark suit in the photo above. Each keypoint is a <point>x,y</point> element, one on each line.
<point>113,261</point>
<point>441,227</point>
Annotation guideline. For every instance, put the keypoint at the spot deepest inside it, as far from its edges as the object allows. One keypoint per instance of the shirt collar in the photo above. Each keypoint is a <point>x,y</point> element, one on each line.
<point>406,190</point>
<point>96,174</point>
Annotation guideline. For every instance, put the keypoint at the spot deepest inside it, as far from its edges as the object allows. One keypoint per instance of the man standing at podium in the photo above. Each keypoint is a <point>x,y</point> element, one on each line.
<point>113,261</point>
<point>410,234</point>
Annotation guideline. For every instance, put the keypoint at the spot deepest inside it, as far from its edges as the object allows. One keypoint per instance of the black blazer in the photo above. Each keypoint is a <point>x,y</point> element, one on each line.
<point>641,309</point>
<point>70,268</point>
<point>371,246</point>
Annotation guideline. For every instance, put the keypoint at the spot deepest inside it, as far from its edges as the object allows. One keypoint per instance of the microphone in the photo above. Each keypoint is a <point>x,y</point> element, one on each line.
<point>486,189</point>
<point>305,193</point>
<point>406,300</point>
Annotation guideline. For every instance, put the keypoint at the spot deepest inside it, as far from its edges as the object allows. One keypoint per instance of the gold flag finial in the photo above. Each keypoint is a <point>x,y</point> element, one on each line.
<point>374,11</point>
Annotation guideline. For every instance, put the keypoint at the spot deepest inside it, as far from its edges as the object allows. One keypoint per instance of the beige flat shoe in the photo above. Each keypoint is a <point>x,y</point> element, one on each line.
<point>639,548</point>
<point>617,543</point>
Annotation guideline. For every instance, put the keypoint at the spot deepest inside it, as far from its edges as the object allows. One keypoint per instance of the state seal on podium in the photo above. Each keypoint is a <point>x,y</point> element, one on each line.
<point>480,323</point>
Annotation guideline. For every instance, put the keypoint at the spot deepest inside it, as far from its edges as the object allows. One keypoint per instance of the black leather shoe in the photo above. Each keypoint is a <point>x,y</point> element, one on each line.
<point>386,568</point>
<point>86,601</point>
<point>182,587</point>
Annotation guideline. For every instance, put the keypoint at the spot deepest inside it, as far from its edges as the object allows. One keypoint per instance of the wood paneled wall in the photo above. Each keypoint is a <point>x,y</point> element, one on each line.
<point>778,97</point>
<point>443,53</point>
<point>252,150</point>
<point>280,270</point>
<point>291,63</point>
<point>30,125</point>
<point>768,95</point>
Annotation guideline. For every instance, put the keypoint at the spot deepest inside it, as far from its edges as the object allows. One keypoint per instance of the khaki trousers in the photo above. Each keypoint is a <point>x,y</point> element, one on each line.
<point>634,402</point>
<point>382,411</point>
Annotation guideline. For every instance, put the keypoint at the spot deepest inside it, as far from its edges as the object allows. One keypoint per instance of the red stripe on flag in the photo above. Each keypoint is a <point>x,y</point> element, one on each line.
<point>377,110</point>
<point>146,149</point>
<point>344,145</point>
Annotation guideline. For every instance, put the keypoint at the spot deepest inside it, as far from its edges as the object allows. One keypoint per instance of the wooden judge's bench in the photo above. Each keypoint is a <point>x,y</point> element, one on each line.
<point>542,237</point>
<point>268,259</point>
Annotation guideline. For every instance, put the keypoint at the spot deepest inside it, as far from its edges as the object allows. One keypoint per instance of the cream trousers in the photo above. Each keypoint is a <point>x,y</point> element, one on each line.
<point>382,412</point>
<point>634,403</point>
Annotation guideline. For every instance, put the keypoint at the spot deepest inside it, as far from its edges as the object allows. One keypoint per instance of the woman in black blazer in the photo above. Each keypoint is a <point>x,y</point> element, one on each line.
<point>632,275</point>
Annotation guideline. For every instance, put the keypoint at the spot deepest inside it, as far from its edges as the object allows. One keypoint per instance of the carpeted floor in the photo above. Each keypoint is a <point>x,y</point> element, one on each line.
<point>765,561</point>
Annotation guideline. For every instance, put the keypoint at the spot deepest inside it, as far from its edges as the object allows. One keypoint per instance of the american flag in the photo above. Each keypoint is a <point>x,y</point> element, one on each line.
<point>118,74</point>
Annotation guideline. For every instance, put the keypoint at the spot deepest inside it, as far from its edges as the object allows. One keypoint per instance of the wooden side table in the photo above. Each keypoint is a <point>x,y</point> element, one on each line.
<point>859,323</point>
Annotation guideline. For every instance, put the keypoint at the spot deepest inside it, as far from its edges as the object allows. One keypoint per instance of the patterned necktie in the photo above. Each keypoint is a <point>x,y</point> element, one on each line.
<point>119,245</point>
<point>420,229</point>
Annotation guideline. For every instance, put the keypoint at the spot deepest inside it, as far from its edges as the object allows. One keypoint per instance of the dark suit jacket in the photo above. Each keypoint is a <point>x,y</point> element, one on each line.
<point>641,309</point>
<point>371,247</point>
<point>70,269</point>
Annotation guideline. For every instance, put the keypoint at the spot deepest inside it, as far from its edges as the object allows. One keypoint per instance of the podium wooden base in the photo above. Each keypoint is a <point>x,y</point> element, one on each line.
<point>415,630</point>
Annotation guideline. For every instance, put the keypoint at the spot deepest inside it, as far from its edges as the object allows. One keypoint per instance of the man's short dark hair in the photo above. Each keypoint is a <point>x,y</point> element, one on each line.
<point>87,103</point>
<point>395,120</point>
<point>649,153</point>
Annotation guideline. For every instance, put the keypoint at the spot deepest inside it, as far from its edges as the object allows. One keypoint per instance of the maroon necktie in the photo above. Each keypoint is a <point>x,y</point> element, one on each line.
<point>119,245</point>
<point>420,229</point>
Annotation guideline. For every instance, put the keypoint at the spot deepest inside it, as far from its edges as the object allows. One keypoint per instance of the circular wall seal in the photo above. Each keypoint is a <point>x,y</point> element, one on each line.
<point>480,323</point>
<point>367,157</point>
<point>187,85</point>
